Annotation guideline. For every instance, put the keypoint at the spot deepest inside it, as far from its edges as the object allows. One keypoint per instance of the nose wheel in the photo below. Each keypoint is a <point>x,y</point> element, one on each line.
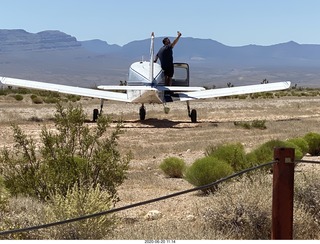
<point>142,112</point>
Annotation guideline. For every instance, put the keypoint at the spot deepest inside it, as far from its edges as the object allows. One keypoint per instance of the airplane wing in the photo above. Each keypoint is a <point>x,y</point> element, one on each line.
<point>230,91</point>
<point>87,92</point>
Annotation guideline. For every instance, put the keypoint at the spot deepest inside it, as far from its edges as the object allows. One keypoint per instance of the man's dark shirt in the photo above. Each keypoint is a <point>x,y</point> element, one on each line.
<point>166,57</point>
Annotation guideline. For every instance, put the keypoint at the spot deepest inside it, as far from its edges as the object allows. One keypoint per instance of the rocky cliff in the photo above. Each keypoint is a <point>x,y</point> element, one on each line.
<point>20,40</point>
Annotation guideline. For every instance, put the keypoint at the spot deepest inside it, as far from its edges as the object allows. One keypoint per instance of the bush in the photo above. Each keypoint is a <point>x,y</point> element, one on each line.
<point>313,140</point>
<point>74,153</point>
<point>81,201</point>
<point>232,153</point>
<point>173,167</point>
<point>207,170</point>
<point>301,143</point>
<point>36,100</point>
<point>259,124</point>
<point>265,152</point>
<point>18,97</point>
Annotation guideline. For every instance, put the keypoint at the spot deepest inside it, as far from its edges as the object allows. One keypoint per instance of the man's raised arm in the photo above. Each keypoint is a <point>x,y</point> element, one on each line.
<point>176,40</point>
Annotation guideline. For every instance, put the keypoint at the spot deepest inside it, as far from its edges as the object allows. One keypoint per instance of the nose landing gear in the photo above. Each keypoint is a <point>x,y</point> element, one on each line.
<point>142,112</point>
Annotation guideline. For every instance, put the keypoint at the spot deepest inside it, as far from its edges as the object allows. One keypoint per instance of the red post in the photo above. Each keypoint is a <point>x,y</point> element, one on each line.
<point>282,196</point>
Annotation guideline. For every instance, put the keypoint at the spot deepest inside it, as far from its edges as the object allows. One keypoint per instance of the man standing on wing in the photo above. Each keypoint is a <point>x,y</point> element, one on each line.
<point>165,55</point>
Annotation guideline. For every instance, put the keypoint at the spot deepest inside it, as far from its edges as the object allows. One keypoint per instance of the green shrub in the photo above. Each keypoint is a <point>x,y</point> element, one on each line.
<point>18,97</point>
<point>81,201</point>
<point>36,100</point>
<point>313,140</point>
<point>74,153</point>
<point>265,152</point>
<point>301,143</point>
<point>207,170</point>
<point>259,124</point>
<point>233,153</point>
<point>173,167</point>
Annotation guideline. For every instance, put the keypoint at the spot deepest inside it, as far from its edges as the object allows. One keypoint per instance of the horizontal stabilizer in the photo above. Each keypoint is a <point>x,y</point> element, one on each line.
<point>152,88</point>
<point>126,88</point>
<point>231,91</point>
<point>180,88</point>
<point>80,91</point>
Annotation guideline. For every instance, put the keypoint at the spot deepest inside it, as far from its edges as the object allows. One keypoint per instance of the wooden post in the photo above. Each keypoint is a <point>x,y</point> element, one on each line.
<point>282,196</point>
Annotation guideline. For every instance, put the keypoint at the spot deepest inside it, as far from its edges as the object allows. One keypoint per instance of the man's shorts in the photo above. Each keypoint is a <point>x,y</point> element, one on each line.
<point>168,71</point>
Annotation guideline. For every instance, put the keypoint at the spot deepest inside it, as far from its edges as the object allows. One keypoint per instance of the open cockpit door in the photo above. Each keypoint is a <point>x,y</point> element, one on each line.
<point>181,75</point>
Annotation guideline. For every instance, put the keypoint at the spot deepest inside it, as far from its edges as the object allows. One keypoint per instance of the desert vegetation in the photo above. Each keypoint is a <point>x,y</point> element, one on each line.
<point>117,164</point>
<point>74,171</point>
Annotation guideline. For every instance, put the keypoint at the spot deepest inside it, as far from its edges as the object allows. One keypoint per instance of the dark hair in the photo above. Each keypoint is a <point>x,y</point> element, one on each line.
<point>164,40</point>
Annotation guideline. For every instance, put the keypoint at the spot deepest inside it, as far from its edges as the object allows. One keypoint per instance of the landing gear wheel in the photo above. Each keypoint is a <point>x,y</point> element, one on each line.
<point>193,116</point>
<point>95,115</point>
<point>142,113</point>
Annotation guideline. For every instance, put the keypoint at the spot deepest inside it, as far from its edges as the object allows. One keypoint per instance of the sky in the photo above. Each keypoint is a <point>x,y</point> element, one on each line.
<point>231,22</point>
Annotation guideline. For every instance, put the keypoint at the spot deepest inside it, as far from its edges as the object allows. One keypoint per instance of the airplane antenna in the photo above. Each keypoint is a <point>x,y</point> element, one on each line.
<point>151,57</point>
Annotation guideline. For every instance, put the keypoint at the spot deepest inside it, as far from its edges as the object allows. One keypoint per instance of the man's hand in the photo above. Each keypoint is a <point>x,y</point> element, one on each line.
<point>179,33</point>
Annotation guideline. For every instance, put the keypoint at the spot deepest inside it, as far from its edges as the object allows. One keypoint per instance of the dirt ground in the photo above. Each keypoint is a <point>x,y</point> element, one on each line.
<point>162,135</point>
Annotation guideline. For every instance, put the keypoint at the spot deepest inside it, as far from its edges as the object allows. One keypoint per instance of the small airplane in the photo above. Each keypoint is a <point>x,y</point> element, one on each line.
<point>145,85</point>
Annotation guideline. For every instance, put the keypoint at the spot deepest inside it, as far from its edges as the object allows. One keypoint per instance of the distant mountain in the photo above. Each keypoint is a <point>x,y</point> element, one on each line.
<point>195,49</point>
<point>101,47</point>
<point>20,40</point>
<point>54,56</point>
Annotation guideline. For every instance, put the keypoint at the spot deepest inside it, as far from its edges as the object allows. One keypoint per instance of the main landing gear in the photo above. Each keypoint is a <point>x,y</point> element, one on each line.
<point>96,112</point>
<point>192,114</point>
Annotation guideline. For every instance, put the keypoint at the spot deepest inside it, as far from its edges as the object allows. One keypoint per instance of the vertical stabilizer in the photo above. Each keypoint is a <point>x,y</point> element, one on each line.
<point>151,77</point>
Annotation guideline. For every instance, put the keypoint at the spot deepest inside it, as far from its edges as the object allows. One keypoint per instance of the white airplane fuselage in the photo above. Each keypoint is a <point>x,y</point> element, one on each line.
<point>138,76</point>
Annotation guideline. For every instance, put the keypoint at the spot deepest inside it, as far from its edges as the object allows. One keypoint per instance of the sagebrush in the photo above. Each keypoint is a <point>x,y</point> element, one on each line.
<point>207,170</point>
<point>173,167</point>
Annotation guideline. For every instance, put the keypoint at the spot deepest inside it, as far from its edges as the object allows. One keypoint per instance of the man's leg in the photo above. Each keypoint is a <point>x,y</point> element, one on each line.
<point>168,81</point>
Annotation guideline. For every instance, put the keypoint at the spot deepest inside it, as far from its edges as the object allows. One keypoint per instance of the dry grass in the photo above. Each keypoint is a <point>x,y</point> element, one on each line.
<point>165,135</point>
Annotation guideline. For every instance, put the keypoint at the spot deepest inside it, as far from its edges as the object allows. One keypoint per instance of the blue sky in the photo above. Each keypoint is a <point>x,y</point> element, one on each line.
<point>231,22</point>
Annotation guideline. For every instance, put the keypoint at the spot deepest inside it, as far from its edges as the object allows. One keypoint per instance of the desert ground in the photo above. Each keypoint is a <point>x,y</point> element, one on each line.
<point>163,135</point>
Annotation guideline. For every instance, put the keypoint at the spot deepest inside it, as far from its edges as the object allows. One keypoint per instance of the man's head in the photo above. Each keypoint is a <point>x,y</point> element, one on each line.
<point>166,41</point>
